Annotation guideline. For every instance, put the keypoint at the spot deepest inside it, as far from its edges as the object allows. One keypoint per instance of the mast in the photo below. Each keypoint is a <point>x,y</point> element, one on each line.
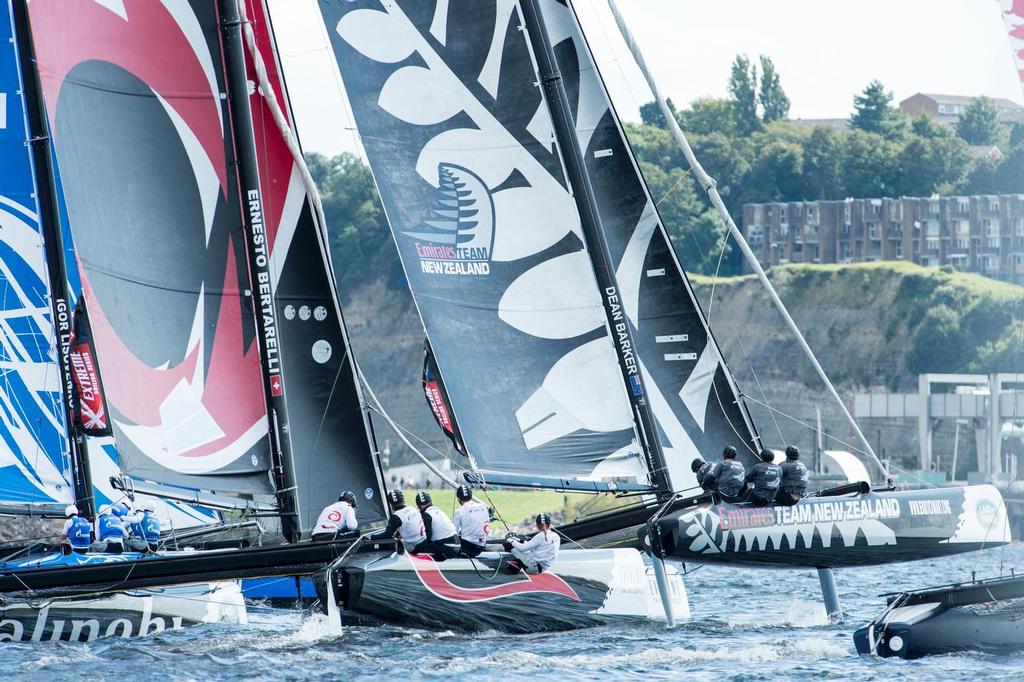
<point>49,221</point>
<point>593,234</point>
<point>258,256</point>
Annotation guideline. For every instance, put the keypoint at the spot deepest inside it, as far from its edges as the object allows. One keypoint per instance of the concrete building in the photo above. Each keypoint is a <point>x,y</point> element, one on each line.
<point>946,109</point>
<point>982,234</point>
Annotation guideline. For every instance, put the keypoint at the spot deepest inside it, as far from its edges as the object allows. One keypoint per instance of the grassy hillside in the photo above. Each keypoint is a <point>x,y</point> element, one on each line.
<point>871,324</point>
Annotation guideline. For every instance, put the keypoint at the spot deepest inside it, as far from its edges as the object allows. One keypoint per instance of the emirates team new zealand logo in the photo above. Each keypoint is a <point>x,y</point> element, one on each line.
<point>458,234</point>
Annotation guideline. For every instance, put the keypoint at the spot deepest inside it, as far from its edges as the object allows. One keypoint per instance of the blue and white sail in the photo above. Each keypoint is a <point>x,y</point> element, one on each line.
<point>35,467</point>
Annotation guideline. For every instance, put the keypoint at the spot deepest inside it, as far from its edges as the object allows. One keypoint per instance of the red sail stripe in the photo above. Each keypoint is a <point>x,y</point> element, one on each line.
<point>434,579</point>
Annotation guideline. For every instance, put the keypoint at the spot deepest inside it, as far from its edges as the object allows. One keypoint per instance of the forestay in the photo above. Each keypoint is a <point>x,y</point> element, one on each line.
<point>460,142</point>
<point>691,392</point>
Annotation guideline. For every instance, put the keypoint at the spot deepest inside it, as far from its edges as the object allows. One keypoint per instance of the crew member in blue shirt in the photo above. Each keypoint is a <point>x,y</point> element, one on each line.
<point>110,532</point>
<point>151,527</point>
<point>77,532</point>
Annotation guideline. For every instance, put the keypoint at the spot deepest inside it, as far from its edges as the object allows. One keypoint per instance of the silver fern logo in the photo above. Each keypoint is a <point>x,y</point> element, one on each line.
<point>457,236</point>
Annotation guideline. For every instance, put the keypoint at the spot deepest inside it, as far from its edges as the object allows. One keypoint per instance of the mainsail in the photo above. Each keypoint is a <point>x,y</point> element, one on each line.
<point>35,467</point>
<point>330,433</point>
<point>692,394</point>
<point>460,141</point>
<point>196,323</point>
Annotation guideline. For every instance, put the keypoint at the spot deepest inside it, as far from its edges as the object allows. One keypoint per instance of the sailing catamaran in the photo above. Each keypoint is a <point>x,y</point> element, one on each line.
<point>573,352</point>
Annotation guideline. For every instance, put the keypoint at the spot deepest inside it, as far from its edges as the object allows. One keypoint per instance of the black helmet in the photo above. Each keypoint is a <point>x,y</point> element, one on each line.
<point>729,452</point>
<point>423,498</point>
<point>348,496</point>
<point>543,519</point>
<point>767,455</point>
<point>696,464</point>
<point>396,499</point>
<point>464,493</point>
<point>792,452</point>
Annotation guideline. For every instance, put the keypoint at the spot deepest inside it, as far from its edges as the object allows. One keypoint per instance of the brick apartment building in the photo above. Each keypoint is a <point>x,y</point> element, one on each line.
<point>983,234</point>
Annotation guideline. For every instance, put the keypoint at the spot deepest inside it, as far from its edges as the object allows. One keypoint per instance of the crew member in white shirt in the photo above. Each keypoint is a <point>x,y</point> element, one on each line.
<point>538,553</point>
<point>472,522</point>
<point>337,519</point>
<point>405,523</point>
<point>442,539</point>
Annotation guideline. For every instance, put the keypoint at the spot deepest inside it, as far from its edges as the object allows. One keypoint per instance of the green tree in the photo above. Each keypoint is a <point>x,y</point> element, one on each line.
<point>928,165</point>
<point>979,124</point>
<point>1016,134</point>
<point>774,102</point>
<point>872,113</point>
<point>870,164</point>
<point>823,164</point>
<point>939,344</point>
<point>924,125</point>
<point>1009,175</point>
<point>728,160</point>
<point>709,115</point>
<point>743,95</point>
<point>777,174</point>
<point>651,115</point>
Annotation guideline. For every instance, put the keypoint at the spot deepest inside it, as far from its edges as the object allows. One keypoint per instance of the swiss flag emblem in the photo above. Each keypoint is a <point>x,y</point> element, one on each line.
<point>275,386</point>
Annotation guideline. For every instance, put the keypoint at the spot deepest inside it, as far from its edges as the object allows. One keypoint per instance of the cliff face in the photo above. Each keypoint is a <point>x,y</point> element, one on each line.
<point>872,326</point>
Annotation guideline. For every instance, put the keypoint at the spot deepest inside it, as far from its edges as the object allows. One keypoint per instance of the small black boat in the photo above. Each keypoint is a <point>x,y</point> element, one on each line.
<point>982,615</point>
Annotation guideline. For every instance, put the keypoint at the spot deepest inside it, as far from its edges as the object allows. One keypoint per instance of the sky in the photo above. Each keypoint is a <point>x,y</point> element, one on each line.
<point>824,50</point>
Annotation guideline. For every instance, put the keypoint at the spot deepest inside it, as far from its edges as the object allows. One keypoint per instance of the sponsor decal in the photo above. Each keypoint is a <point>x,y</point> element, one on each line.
<point>433,578</point>
<point>986,513</point>
<point>90,407</point>
<point>265,315</point>
<point>746,518</point>
<point>929,507</point>
<point>457,236</point>
<point>839,511</point>
<point>620,331</point>
<point>44,628</point>
<point>368,493</point>
<point>322,351</point>
<point>433,393</point>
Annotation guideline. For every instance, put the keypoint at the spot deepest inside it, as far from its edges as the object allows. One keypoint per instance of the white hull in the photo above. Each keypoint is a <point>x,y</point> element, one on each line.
<point>136,613</point>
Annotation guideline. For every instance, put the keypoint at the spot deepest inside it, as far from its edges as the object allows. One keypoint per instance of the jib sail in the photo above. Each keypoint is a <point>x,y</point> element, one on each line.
<point>330,436</point>
<point>460,142</point>
<point>35,467</point>
<point>134,95</point>
<point>691,392</point>
<point>437,398</point>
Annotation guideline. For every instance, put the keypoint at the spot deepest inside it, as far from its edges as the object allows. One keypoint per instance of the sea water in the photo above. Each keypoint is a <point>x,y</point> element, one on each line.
<point>748,624</point>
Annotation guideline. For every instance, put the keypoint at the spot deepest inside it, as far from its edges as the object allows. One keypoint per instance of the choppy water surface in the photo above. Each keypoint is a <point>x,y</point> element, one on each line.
<point>747,625</point>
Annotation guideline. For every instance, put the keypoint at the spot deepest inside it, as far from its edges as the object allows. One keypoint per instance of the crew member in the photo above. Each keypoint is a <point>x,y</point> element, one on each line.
<point>150,527</point>
<point>110,532</point>
<point>472,522</point>
<point>337,519</point>
<point>136,534</point>
<point>77,533</point>
<point>442,539</point>
<point>730,475</point>
<point>763,480</point>
<point>539,553</point>
<point>707,473</point>
<point>793,486</point>
<point>405,523</point>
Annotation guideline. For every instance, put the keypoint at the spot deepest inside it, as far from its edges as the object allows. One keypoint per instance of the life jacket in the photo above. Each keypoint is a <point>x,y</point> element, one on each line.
<point>336,518</point>
<point>150,527</point>
<point>109,527</point>
<point>135,529</point>
<point>79,533</point>
<point>411,532</point>
<point>765,477</point>
<point>730,477</point>
<point>473,522</point>
<point>441,527</point>
<point>706,475</point>
<point>795,477</point>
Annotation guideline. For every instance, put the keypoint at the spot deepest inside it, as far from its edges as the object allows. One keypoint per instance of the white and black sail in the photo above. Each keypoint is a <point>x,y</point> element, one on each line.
<point>692,395</point>
<point>460,141</point>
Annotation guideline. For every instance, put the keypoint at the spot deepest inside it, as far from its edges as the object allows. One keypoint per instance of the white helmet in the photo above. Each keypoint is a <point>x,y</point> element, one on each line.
<point>71,510</point>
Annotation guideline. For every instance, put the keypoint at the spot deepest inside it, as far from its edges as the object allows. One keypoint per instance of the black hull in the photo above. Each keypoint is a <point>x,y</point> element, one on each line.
<point>584,589</point>
<point>985,617</point>
<point>861,529</point>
